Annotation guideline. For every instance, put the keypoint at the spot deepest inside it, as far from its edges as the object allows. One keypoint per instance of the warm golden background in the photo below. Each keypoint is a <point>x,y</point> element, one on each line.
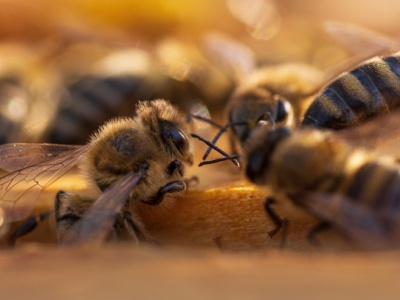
<point>191,266</point>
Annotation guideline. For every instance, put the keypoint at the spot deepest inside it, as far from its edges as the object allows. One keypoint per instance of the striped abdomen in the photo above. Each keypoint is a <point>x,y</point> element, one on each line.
<point>93,100</point>
<point>377,187</point>
<point>368,90</point>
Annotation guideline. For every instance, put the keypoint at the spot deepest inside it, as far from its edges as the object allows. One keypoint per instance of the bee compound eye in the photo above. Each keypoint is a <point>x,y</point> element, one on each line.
<point>171,134</point>
<point>283,108</point>
<point>178,139</point>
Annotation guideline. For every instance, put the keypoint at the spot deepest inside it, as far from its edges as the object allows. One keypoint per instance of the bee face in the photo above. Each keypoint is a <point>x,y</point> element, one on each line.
<point>269,96</point>
<point>157,136</point>
<point>253,105</point>
<point>168,128</point>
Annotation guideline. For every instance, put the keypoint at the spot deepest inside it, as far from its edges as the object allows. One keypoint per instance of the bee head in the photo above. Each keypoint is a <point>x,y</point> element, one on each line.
<point>168,127</point>
<point>258,106</point>
<point>158,135</point>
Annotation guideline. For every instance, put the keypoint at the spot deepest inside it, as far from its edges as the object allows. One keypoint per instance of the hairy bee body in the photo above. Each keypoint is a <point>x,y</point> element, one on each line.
<point>312,162</point>
<point>128,162</point>
<point>274,92</point>
<point>366,91</point>
<point>274,95</point>
<point>377,186</point>
<point>156,137</point>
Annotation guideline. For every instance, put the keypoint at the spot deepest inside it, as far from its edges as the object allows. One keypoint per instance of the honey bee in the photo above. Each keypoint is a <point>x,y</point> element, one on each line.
<point>132,161</point>
<point>273,93</point>
<point>362,93</point>
<point>365,91</point>
<point>350,188</point>
<point>91,99</point>
<point>278,94</point>
<point>169,69</point>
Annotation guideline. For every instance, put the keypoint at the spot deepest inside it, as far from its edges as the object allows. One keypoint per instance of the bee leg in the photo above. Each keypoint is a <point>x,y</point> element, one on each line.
<point>136,230</point>
<point>311,236</point>
<point>278,221</point>
<point>172,187</point>
<point>28,226</point>
<point>69,208</point>
<point>176,165</point>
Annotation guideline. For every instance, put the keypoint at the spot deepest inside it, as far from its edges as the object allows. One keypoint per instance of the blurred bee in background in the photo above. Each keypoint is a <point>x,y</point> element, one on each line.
<point>110,86</point>
<point>132,161</point>
<point>279,94</point>
<point>64,86</point>
<point>346,186</point>
<point>363,92</point>
<point>309,162</point>
<point>274,93</point>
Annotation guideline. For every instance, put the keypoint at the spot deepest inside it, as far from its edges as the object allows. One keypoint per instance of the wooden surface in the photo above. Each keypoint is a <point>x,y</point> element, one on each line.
<point>223,207</point>
<point>129,273</point>
<point>189,265</point>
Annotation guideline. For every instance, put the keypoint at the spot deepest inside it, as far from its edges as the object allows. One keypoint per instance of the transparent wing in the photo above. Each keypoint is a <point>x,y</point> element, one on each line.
<point>364,43</point>
<point>358,39</point>
<point>261,17</point>
<point>31,168</point>
<point>230,55</point>
<point>97,222</point>
<point>358,222</point>
<point>345,66</point>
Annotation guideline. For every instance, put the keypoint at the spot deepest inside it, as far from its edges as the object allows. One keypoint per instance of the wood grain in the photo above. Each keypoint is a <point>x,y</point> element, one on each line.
<point>140,273</point>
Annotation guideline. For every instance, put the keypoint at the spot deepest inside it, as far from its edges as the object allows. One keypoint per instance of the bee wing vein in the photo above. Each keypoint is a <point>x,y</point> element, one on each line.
<point>27,183</point>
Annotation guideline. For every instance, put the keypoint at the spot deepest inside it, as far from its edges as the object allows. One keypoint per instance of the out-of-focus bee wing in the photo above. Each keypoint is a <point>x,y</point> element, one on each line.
<point>358,39</point>
<point>381,133</point>
<point>360,223</point>
<point>365,44</point>
<point>261,17</point>
<point>232,56</point>
<point>30,169</point>
<point>349,64</point>
<point>97,223</point>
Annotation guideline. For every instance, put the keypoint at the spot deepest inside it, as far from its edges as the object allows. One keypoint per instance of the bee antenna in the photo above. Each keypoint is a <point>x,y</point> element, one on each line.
<point>220,133</point>
<point>227,156</point>
<point>204,119</point>
<point>209,162</point>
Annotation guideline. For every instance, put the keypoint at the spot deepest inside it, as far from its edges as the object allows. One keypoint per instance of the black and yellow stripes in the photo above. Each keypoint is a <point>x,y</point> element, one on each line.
<point>357,95</point>
<point>376,186</point>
